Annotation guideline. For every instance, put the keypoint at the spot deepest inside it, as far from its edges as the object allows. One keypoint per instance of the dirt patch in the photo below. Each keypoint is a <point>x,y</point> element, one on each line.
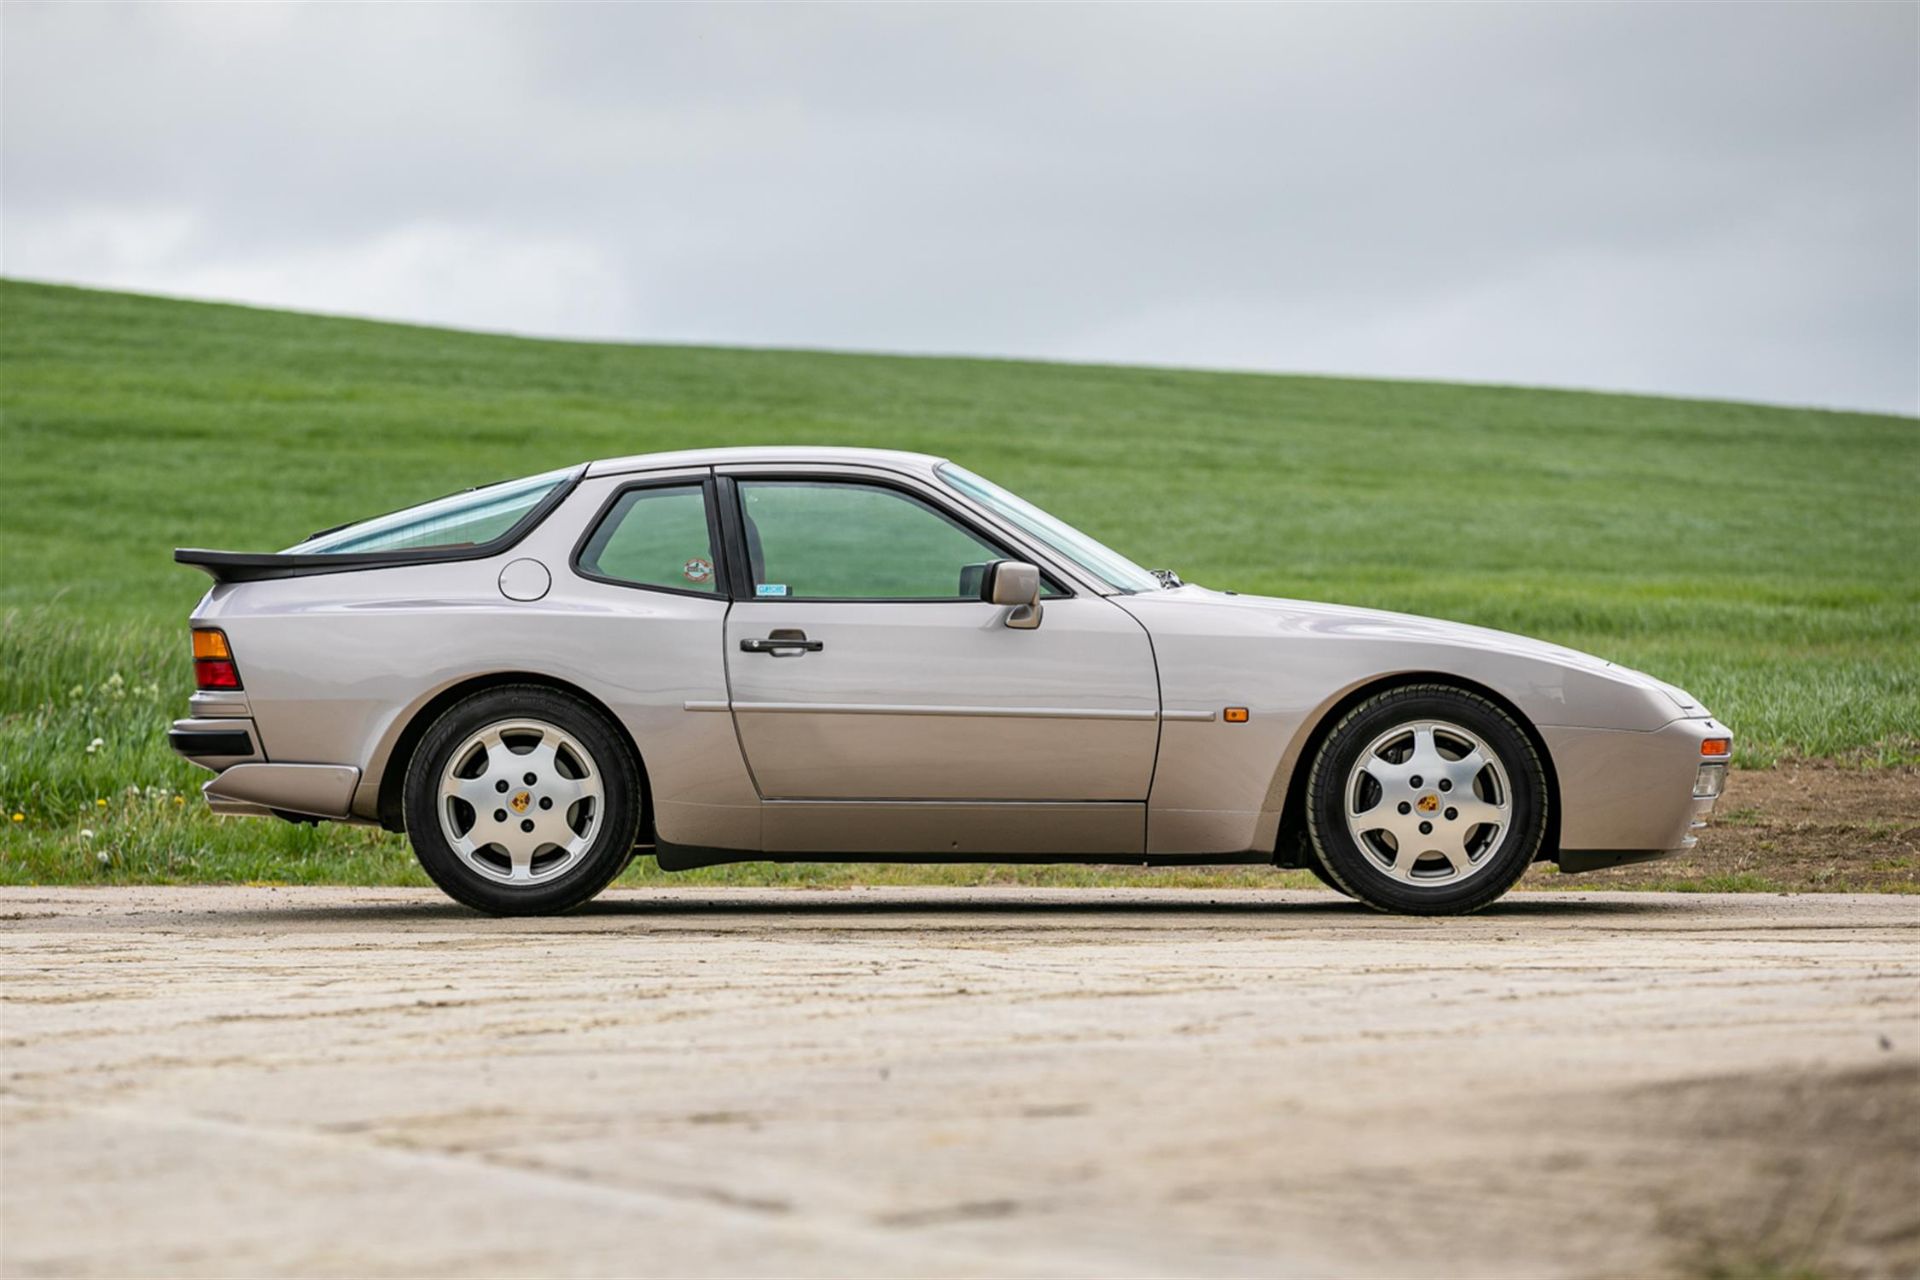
<point>1787,1173</point>
<point>1807,827</point>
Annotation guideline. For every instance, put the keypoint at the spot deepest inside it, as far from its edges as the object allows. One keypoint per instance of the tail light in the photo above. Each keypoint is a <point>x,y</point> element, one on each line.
<point>213,661</point>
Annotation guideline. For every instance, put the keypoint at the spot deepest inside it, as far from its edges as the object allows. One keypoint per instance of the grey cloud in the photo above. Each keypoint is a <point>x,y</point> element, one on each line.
<point>1710,200</point>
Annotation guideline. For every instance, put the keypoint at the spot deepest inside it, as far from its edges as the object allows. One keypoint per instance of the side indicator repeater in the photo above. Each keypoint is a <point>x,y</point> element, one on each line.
<point>1717,747</point>
<point>1234,715</point>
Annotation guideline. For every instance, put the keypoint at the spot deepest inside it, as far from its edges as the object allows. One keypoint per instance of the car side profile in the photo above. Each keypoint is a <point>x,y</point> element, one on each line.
<point>823,654</point>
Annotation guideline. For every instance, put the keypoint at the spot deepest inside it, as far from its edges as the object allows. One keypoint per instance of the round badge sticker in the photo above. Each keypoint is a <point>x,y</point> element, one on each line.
<point>697,570</point>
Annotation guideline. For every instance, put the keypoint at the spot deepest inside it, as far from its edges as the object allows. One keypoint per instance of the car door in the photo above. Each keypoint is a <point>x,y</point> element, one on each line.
<point>882,704</point>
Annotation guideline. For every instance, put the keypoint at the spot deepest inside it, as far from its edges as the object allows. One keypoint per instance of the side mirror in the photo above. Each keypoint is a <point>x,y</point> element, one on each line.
<point>1016,583</point>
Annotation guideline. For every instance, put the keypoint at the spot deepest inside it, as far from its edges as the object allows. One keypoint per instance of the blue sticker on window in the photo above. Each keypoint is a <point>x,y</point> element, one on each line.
<point>771,589</point>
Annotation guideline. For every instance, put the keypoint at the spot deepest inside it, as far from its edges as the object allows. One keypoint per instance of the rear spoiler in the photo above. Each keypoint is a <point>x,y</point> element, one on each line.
<point>254,566</point>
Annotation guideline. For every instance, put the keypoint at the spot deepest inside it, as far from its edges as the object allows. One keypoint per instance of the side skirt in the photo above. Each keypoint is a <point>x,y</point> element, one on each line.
<point>683,857</point>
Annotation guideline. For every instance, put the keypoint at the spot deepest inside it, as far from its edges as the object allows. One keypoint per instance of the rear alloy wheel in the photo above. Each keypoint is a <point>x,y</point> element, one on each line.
<point>1427,800</point>
<point>522,800</point>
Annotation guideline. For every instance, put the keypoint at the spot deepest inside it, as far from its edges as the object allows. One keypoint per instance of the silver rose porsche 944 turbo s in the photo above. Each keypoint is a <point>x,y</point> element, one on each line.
<point>843,654</point>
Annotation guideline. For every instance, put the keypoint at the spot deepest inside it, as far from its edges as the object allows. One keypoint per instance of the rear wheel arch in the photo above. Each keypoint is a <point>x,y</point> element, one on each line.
<point>1292,847</point>
<point>393,776</point>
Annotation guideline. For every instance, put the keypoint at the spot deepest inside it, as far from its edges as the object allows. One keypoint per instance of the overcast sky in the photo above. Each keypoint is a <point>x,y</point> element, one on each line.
<point>1701,199</point>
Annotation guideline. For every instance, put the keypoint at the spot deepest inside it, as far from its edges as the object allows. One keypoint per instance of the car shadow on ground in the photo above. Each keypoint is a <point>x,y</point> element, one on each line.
<point>816,906</point>
<point>987,905</point>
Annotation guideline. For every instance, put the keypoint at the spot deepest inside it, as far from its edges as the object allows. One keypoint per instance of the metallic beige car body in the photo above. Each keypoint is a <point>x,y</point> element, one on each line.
<point>925,729</point>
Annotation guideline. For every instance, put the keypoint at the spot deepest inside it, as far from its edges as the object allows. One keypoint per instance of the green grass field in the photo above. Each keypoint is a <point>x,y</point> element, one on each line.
<point>1764,558</point>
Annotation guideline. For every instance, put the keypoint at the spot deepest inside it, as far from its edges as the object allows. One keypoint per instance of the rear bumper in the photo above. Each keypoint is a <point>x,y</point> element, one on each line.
<point>210,742</point>
<point>310,790</point>
<point>246,784</point>
<point>1628,797</point>
<point>216,742</point>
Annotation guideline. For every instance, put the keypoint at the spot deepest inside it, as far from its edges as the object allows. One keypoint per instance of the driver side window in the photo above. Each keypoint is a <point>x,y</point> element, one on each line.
<point>843,540</point>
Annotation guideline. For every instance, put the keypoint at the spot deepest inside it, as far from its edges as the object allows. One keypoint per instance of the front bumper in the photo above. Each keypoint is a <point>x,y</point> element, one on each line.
<point>1628,797</point>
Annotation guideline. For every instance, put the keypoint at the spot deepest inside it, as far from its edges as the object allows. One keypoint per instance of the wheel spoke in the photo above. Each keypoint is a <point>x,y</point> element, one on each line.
<point>1404,861</point>
<point>478,792</point>
<point>483,832</point>
<point>520,854</point>
<point>1463,771</point>
<point>1474,811</point>
<point>1426,760</point>
<point>1454,850</point>
<point>542,762</point>
<point>567,791</point>
<point>1388,774</point>
<point>500,756</point>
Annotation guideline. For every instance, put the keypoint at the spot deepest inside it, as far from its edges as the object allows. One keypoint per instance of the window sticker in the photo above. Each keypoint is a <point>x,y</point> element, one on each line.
<point>771,589</point>
<point>698,571</point>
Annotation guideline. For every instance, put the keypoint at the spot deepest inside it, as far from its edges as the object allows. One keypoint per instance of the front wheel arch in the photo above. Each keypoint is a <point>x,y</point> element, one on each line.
<point>393,777</point>
<point>1292,848</point>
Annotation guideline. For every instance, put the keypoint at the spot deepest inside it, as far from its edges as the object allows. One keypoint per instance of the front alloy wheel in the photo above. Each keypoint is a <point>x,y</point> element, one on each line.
<point>1428,800</point>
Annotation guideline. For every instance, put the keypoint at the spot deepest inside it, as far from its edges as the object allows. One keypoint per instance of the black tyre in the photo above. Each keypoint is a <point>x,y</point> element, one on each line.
<point>1427,800</point>
<point>1312,863</point>
<point>522,800</point>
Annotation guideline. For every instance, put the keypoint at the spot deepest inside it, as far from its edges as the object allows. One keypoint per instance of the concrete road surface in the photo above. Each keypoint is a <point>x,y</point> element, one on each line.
<point>972,1082</point>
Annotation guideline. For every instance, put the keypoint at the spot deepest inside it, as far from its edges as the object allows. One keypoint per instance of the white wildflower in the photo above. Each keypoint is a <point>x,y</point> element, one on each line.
<point>104,857</point>
<point>95,745</point>
<point>86,833</point>
<point>114,681</point>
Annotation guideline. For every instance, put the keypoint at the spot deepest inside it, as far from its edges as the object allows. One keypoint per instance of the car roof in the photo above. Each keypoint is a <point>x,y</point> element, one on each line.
<point>891,459</point>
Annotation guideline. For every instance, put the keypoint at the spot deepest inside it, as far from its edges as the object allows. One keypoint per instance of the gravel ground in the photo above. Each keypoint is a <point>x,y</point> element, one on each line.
<point>957,1082</point>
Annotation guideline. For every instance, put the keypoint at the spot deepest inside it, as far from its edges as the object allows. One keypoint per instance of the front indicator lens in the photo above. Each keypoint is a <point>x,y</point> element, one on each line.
<point>1709,782</point>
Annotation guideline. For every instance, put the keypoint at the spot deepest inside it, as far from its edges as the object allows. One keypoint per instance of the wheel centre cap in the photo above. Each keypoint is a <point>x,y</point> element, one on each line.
<point>1427,803</point>
<point>521,800</point>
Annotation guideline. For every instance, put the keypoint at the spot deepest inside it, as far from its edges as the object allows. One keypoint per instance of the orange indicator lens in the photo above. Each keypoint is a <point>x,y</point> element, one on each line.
<point>208,643</point>
<point>1717,747</point>
<point>1236,715</point>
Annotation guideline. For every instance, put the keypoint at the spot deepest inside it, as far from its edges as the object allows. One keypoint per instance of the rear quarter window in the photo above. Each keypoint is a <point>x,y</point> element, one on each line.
<point>470,519</point>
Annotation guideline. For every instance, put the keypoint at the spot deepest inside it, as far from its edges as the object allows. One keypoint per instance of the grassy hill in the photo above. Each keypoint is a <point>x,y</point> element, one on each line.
<point>1762,557</point>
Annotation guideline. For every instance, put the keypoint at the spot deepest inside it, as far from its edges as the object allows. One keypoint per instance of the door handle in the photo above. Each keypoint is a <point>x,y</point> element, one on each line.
<point>782,641</point>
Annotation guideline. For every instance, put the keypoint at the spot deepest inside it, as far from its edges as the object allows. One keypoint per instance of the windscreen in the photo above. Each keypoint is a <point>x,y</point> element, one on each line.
<point>1102,562</point>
